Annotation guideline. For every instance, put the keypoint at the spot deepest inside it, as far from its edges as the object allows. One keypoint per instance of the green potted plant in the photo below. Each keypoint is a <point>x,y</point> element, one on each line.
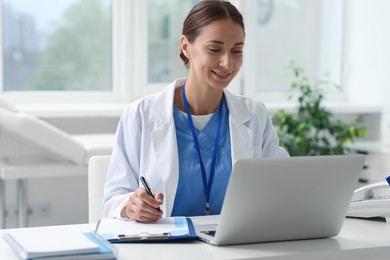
<point>311,130</point>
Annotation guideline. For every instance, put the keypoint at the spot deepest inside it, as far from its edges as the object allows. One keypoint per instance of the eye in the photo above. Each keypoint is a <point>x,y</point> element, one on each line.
<point>214,50</point>
<point>237,51</point>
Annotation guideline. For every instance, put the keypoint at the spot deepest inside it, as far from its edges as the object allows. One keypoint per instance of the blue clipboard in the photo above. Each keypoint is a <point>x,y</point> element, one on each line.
<point>130,231</point>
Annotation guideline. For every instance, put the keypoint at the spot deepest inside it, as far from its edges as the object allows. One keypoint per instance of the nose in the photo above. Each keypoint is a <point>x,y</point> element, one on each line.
<point>226,61</point>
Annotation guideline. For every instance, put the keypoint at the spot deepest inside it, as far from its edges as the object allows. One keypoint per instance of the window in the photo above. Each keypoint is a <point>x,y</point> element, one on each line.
<point>158,62</point>
<point>165,23</point>
<point>102,50</point>
<point>57,46</point>
<point>310,32</point>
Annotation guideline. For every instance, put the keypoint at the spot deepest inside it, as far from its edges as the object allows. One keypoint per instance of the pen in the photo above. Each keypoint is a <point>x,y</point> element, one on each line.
<point>147,188</point>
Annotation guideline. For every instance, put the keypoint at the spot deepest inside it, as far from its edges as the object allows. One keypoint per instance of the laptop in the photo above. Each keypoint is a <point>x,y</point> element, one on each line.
<point>280,199</point>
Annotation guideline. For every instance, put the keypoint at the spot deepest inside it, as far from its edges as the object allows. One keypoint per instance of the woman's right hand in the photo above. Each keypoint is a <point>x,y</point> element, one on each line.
<point>143,208</point>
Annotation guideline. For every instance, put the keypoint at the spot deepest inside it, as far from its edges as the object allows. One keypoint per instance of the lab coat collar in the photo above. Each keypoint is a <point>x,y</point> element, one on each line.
<point>163,103</point>
<point>165,143</point>
<point>239,119</point>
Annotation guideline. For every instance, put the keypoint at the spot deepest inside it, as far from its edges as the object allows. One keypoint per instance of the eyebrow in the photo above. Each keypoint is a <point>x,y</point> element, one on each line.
<point>221,42</point>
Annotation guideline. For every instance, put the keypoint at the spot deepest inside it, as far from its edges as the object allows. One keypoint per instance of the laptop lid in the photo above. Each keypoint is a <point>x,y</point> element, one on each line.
<point>276,199</point>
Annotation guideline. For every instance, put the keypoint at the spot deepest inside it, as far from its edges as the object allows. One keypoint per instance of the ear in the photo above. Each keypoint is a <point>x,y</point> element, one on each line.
<point>185,46</point>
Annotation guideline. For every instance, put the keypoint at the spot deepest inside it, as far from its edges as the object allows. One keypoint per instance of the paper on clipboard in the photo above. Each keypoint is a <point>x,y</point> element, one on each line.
<point>118,230</point>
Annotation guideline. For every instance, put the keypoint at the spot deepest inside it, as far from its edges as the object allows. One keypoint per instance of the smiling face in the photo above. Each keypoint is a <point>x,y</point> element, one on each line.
<point>215,56</point>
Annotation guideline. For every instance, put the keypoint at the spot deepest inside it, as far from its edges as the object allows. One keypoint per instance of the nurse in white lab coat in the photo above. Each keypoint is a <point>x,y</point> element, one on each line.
<point>149,136</point>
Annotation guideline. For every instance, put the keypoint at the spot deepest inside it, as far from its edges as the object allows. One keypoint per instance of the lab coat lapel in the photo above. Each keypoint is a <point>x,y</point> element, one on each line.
<point>165,143</point>
<point>238,118</point>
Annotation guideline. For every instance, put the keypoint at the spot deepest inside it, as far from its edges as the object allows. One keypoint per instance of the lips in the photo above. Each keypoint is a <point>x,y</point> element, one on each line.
<point>221,75</point>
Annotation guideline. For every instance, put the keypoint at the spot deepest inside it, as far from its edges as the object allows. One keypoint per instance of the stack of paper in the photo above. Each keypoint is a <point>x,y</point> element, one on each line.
<point>65,245</point>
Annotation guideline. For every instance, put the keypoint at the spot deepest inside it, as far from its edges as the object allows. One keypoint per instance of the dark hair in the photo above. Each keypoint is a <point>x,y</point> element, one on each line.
<point>204,13</point>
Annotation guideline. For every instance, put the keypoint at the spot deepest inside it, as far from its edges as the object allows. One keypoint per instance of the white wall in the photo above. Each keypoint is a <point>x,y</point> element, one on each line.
<point>367,64</point>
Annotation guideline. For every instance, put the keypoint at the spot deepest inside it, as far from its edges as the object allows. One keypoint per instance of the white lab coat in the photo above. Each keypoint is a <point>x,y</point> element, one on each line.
<point>146,145</point>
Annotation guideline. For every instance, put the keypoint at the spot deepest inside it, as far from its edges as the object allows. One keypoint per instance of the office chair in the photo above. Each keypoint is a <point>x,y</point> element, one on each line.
<point>33,148</point>
<point>97,172</point>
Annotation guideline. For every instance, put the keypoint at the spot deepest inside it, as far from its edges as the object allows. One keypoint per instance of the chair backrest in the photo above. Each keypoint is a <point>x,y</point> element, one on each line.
<point>97,172</point>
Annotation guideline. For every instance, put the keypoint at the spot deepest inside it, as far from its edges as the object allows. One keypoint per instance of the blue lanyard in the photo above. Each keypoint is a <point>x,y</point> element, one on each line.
<point>206,185</point>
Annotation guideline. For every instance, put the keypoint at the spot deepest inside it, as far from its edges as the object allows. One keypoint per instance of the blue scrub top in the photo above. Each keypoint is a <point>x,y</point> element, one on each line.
<point>190,197</point>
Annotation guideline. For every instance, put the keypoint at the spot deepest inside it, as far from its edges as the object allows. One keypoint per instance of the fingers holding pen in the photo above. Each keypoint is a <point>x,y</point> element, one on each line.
<point>142,207</point>
<point>149,203</point>
<point>148,190</point>
<point>159,198</point>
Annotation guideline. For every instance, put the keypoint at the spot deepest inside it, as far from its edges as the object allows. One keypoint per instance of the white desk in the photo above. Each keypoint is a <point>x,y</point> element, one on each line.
<point>359,239</point>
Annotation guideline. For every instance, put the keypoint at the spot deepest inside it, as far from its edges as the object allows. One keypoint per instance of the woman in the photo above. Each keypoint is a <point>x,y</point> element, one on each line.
<point>185,139</point>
